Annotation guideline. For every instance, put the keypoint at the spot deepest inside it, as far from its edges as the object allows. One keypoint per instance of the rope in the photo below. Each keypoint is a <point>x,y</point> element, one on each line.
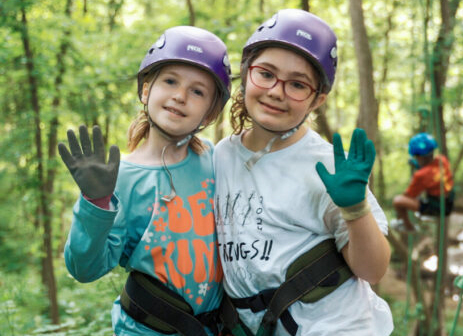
<point>409,276</point>
<point>459,284</point>
<point>435,126</point>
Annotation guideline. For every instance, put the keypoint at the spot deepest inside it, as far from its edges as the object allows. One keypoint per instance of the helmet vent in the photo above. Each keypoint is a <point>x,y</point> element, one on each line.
<point>161,41</point>
<point>271,22</point>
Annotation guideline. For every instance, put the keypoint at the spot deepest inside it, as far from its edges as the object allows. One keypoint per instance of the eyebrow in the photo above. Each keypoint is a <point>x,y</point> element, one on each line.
<point>291,74</point>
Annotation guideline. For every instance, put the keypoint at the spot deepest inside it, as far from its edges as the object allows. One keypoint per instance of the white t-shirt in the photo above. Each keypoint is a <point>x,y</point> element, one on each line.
<point>269,216</point>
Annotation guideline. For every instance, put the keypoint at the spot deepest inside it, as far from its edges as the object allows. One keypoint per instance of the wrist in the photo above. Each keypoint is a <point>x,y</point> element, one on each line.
<point>102,202</point>
<point>355,211</point>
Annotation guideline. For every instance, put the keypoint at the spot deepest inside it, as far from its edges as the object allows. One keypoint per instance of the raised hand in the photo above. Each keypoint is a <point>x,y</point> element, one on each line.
<point>347,186</point>
<point>95,178</point>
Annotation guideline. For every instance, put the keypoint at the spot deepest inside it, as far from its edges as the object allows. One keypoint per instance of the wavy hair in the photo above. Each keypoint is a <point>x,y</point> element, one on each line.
<point>239,115</point>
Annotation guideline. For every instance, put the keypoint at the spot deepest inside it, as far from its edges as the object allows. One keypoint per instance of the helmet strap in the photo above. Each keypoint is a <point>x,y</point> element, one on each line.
<point>178,140</point>
<point>283,135</point>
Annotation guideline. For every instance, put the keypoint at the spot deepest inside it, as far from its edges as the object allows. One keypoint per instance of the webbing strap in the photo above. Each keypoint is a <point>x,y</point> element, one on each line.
<point>299,284</point>
<point>321,269</point>
<point>231,319</point>
<point>260,302</point>
<point>156,312</point>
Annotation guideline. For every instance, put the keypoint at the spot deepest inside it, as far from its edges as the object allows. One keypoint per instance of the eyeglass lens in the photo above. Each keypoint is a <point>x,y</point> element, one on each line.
<point>294,89</point>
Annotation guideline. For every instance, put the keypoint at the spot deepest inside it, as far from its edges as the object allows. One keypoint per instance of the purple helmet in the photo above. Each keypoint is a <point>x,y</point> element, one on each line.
<point>193,46</point>
<point>303,32</point>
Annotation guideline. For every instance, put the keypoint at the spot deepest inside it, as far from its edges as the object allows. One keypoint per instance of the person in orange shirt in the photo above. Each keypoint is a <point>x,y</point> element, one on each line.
<point>431,169</point>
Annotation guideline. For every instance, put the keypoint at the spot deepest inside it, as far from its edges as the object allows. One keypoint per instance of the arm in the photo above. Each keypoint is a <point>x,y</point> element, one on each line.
<point>91,250</point>
<point>367,252</point>
<point>95,242</point>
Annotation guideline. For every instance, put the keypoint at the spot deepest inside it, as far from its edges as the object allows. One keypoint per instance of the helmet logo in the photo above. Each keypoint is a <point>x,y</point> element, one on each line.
<point>334,52</point>
<point>304,34</point>
<point>194,48</point>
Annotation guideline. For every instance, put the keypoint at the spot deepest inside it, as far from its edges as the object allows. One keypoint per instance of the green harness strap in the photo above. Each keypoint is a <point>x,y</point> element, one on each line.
<point>310,277</point>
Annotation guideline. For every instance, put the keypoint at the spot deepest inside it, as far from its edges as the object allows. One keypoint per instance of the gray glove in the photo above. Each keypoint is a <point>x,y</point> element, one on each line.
<point>95,178</point>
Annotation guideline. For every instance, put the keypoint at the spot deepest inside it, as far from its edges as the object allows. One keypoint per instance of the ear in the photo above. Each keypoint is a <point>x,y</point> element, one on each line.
<point>145,93</point>
<point>321,99</point>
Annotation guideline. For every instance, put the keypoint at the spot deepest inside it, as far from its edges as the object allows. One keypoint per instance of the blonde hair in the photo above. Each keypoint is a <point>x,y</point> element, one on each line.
<point>140,127</point>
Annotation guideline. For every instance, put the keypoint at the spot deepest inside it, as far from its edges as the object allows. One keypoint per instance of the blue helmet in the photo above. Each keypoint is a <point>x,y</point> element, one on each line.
<point>421,144</point>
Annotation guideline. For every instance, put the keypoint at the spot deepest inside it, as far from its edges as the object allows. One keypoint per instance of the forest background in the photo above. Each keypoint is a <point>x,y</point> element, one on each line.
<point>69,62</point>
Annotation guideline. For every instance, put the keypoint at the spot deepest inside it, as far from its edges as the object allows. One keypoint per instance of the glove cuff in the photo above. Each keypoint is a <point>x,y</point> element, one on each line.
<point>355,211</point>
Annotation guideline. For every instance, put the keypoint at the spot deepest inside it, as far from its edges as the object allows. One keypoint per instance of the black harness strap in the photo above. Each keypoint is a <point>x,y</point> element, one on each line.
<point>299,284</point>
<point>260,302</point>
<point>325,270</point>
<point>158,313</point>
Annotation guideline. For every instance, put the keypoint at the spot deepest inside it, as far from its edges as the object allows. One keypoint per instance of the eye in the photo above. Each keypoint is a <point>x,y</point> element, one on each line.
<point>170,81</point>
<point>198,92</point>
<point>265,74</point>
<point>296,85</point>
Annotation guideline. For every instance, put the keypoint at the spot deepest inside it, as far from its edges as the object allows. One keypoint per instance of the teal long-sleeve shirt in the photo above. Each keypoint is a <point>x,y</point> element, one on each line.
<point>174,241</point>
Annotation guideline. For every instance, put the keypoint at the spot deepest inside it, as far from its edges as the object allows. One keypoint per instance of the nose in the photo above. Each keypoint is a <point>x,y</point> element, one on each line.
<point>278,90</point>
<point>180,95</point>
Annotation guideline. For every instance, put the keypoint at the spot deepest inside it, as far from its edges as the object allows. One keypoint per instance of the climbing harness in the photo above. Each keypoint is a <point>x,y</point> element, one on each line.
<point>309,278</point>
<point>153,304</point>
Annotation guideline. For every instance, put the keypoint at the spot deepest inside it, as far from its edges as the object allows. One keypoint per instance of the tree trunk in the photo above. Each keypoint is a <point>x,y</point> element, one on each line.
<point>439,67</point>
<point>191,11</point>
<point>368,112</point>
<point>381,180</point>
<point>43,210</point>
<point>305,5</point>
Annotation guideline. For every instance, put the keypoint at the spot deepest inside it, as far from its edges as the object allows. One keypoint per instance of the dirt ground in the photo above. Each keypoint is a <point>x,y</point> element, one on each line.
<point>394,283</point>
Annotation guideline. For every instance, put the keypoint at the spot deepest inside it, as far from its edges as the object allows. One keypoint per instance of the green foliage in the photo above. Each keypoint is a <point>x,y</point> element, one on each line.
<point>105,43</point>
<point>85,308</point>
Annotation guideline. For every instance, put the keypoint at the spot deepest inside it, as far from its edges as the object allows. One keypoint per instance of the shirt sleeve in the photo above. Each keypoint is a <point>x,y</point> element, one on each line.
<point>417,185</point>
<point>96,240</point>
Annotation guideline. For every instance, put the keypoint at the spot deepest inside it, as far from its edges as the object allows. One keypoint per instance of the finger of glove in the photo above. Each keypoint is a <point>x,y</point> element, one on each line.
<point>114,157</point>
<point>370,153</point>
<point>98,144</point>
<point>325,176</point>
<point>65,155</point>
<point>338,149</point>
<point>74,144</point>
<point>85,141</point>
<point>356,150</point>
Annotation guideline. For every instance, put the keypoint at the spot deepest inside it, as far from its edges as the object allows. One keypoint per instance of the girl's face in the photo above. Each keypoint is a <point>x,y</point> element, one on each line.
<point>179,98</point>
<point>272,108</point>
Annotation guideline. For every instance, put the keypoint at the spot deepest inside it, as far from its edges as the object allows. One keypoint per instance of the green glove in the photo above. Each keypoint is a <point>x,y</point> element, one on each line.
<point>347,186</point>
<point>95,178</point>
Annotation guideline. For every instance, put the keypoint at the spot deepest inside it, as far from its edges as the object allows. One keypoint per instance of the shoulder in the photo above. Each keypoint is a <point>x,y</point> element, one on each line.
<point>227,144</point>
<point>318,148</point>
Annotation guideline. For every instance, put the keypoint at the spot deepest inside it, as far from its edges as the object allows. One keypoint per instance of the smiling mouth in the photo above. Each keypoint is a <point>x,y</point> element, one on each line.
<point>273,108</point>
<point>174,111</point>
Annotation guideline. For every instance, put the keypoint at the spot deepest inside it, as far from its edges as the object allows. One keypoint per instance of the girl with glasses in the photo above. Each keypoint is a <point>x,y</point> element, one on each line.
<point>284,201</point>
